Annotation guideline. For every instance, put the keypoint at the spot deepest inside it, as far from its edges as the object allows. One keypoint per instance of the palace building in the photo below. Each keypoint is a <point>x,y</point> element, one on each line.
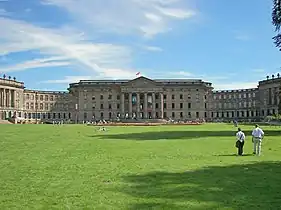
<point>141,98</point>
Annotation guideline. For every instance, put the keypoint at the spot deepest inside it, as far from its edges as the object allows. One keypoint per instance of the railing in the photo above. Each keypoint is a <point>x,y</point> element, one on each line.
<point>10,82</point>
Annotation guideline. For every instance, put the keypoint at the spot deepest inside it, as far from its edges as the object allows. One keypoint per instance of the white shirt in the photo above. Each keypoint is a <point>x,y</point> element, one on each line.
<point>257,133</point>
<point>240,136</point>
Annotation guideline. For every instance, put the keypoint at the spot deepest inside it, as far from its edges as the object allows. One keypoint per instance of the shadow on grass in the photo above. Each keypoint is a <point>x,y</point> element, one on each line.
<point>249,186</point>
<point>232,155</point>
<point>189,134</point>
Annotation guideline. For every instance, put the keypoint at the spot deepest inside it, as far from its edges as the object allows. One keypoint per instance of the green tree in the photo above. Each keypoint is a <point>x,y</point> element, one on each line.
<point>276,21</point>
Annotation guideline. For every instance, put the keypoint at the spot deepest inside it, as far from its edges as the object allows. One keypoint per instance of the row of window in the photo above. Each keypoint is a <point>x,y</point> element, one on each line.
<point>42,97</point>
<point>234,96</point>
<point>45,106</point>
<point>62,116</point>
<point>157,115</point>
<point>235,105</point>
<point>149,105</point>
<point>181,97</point>
<point>231,114</point>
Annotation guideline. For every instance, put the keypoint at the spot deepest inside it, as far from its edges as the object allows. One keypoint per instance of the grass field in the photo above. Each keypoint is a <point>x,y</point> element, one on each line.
<point>165,167</point>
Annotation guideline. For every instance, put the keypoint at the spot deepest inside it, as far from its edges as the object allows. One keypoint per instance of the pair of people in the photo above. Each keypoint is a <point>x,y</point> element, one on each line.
<point>257,136</point>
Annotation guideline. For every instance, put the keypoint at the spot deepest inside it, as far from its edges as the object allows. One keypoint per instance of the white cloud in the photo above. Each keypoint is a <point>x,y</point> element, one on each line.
<point>27,10</point>
<point>181,74</point>
<point>68,79</point>
<point>258,70</point>
<point>241,36</point>
<point>70,45</point>
<point>64,42</point>
<point>235,85</point>
<point>152,48</point>
<point>148,17</point>
<point>3,12</point>
<point>177,13</point>
<point>109,74</point>
<point>36,63</point>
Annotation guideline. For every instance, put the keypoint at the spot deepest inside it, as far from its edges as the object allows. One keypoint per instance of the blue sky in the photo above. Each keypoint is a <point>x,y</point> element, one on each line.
<point>50,43</point>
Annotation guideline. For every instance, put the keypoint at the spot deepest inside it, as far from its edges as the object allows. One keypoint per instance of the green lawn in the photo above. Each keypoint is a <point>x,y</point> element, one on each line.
<point>165,167</point>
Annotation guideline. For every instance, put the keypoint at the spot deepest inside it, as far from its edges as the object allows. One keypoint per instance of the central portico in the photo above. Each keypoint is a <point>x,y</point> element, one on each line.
<point>142,98</point>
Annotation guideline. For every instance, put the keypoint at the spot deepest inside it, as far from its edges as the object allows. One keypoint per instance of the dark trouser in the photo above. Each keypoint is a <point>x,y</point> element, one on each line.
<point>240,147</point>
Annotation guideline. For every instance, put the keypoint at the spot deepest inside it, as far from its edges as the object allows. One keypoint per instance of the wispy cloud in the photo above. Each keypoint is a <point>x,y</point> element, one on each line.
<point>146,17</point>
<point>108,74</point>
<point>258,70</point>
<point>36,63</point>
<point>193,75</point>
<point>71,41</point>
<point>68,79</point>
<point>235,85</point>
<point>96,57</point>
<point>152,48</point>
<point>241,36</point>
<point>180,74</point>
<point>3,12</point>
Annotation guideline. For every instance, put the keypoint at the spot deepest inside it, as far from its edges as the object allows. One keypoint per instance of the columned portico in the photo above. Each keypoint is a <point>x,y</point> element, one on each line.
<point>137,104</point>
<point>7,98</point>
<point>7,103</point>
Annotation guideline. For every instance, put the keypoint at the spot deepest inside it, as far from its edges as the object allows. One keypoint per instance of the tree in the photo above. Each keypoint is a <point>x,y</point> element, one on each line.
<point>276,21</point>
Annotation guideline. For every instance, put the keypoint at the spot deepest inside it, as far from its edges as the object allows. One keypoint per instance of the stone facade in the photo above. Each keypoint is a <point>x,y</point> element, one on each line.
<point>141,98</point>
<point>11,97</point>
<point>46,105</point>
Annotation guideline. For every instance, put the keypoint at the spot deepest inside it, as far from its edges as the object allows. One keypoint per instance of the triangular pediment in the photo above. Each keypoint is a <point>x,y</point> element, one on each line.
<point>141,82</point>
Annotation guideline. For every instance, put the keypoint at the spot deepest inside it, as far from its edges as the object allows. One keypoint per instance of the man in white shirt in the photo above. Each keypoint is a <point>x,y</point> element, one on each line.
<point>257,136</point>
<point>240,137</point>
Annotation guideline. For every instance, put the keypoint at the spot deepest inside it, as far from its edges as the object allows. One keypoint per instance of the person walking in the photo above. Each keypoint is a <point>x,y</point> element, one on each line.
<point>240,140</point>
<point>257,137</point>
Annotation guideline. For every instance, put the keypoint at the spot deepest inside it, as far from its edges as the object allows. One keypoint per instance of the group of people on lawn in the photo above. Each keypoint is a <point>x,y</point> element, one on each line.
<point>257,137</point>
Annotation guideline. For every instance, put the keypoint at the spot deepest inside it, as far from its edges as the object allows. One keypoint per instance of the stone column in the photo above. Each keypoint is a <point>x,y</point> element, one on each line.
<point>130,105</point>
<point>15,99</point>
<point>272,96</point>
<point>5,99</point>
<point>1,97</point>
<point>162,105</point>
<point>145,105</point>
<point>138,104</point>
<point>12,98</point>
<point>9,98</point>
<point>122,105</point>
<point>153,106</point>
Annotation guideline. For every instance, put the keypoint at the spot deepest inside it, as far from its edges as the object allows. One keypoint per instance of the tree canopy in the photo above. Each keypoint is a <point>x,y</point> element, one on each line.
<point>276,21</point>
